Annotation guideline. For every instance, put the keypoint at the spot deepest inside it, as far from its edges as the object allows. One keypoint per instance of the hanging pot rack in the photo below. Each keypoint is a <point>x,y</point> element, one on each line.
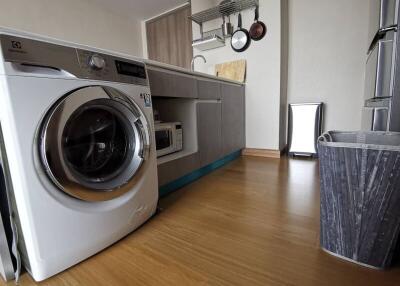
<point>225,9</point>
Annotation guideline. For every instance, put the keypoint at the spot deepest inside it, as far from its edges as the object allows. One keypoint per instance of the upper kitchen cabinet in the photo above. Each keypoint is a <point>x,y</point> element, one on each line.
<point>233,118</point>
<point>169,38</point>
<point>168,83</point>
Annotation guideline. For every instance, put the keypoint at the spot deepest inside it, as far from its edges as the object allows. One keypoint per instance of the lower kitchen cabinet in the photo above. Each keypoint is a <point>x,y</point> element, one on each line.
<point>173,170</point>
<point>208,89</point>
<point>233,118</point>
<point>161,83</point>
<point>220,116</point>
<point>209,131</point>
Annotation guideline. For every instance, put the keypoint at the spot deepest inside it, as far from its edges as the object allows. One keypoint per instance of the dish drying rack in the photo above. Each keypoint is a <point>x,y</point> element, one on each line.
<point>215,38</point>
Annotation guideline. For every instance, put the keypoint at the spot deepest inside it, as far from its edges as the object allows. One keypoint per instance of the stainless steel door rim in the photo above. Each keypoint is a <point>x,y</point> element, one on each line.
<point>93,142</point>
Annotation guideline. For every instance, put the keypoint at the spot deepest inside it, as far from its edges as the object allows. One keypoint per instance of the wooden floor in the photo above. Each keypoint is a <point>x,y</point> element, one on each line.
<point>253,222</point>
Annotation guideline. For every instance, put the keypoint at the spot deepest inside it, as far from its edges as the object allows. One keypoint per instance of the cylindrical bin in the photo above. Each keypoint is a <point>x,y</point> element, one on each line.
<point>360,195</point>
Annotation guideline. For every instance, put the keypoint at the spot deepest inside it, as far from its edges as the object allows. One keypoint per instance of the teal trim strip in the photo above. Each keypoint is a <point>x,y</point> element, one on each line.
<point>195,175</point>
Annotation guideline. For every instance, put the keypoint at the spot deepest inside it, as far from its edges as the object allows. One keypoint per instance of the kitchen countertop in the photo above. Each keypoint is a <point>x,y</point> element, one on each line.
<point>189,72</point>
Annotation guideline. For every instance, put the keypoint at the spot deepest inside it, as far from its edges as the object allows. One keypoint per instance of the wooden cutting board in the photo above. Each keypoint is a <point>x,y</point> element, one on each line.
<point>235,70</point>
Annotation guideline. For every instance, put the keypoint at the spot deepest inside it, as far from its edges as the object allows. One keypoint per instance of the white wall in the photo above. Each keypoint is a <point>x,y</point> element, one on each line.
<point>327,53</point>
<point>80,21</point>
<point>263,88</point>
<point>314,51</point>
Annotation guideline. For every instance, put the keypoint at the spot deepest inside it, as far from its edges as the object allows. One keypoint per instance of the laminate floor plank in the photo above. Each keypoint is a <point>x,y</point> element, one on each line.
<point>252,222</point>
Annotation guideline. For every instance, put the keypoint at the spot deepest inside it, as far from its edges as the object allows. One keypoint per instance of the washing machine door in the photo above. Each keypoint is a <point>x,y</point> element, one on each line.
<point>93,143</point>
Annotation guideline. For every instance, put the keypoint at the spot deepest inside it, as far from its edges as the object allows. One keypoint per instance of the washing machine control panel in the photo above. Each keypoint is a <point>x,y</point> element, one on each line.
<point>109,68</point>
<point>95,66</point>
<point>97,62</point>
<point>81,63</point>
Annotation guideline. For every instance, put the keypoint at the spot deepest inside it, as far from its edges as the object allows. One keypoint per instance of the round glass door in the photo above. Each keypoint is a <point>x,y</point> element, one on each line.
<point>93,143</point>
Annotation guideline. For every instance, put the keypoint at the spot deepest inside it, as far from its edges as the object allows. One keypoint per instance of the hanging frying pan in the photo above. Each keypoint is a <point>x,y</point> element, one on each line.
<point>258,30</point>
<point>241,38</point>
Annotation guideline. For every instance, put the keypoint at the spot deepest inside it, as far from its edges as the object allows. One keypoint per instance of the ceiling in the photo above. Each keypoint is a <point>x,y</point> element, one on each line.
<point>140,9</point>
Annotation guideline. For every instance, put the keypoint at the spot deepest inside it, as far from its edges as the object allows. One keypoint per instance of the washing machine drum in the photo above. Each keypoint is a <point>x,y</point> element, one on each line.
<point>93,143</point>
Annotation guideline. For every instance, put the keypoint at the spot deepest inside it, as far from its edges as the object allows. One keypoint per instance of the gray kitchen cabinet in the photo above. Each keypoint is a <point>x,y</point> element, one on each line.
<point>184,86</point>
<point>219,108</point>
<point>159,82</point>
<point>233,118</point>
<point>173,170</point>
<point>208,89</point>
<point>209,131</point>
<point>172,84</point>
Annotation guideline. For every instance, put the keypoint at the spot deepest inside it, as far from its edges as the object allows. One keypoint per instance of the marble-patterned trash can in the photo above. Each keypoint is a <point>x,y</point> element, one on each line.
<point>360,195</point>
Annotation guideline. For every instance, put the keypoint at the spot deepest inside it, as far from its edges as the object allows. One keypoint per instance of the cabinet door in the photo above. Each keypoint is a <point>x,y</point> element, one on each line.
<point>233,118</point>
<point>209,131</point>
<point>208,89</point>
<point>171,84</point>
<point>184,85</point>
<point>160,82</point>
<point>169,38</point>
<point>173,170</point>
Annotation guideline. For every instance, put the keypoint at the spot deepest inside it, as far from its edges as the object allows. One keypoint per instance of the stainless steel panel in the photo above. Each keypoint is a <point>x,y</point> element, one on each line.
<point>382,17</point>
<point>379,69</point>
<point>380,119</point>
<point>367,119</point>
<point>305,126</point>
<point>378,102</point>
<point>388,15</point>
<point>27,51</point>
<point>74,61</point>
<point>375,119</point>
<point>394,111</point>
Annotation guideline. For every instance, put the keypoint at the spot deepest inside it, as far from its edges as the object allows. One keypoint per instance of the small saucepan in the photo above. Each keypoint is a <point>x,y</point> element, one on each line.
<point>241,38</point>
<point>258,30</point>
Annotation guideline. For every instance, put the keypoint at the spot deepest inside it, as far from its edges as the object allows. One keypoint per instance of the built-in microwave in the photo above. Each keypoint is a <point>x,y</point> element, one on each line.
<point>169,138</point>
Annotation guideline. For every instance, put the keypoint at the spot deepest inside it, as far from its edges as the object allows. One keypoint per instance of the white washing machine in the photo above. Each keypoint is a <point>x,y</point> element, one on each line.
<point>77,150</point>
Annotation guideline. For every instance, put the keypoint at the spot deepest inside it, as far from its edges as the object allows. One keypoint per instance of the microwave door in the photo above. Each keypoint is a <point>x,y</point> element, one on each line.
<point>164,141</point>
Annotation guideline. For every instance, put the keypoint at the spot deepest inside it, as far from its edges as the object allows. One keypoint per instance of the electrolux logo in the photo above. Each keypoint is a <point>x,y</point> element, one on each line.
<point>16,45</point>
